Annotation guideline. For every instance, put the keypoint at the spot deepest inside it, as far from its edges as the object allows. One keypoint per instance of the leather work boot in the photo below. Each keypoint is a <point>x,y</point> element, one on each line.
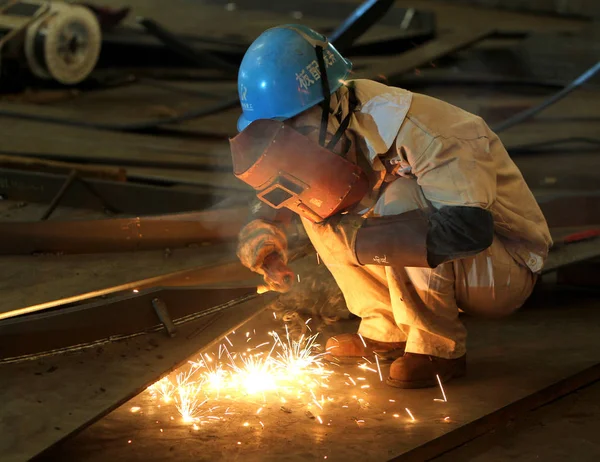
<point>419,371</point>
<point>349,349</point>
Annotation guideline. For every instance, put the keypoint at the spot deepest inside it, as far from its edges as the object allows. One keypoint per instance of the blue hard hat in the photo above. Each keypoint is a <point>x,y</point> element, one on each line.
<point>279,76</point>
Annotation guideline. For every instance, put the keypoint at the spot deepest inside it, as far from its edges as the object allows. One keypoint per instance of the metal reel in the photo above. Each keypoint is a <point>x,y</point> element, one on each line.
<point>64,45</point>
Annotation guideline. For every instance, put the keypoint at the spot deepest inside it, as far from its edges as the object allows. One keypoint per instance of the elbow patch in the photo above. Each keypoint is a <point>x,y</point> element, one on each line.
<point>458,232</point>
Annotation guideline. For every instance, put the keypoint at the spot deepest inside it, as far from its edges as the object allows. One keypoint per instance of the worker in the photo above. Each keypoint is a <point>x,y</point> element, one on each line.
<point>413,204</point>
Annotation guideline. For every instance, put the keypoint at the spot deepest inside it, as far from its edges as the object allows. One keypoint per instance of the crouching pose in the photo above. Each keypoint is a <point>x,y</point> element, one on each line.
<point>413,204</point>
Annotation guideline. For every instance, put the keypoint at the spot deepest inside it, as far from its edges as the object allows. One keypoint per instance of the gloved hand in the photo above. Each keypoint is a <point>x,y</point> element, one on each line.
<point>262,247</point>
<point>277,275</point>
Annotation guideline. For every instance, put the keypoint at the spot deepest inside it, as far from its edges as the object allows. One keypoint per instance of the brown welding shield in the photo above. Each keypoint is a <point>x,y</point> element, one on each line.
<point>287,169</point>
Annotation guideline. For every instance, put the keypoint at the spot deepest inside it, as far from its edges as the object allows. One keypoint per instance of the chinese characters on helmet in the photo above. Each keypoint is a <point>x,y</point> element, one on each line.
<point>311,73</point>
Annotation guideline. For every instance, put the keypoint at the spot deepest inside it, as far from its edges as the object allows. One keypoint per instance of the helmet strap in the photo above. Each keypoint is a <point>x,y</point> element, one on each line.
<point>327,103</point>
<point>326,95</point>
<point>352,103</point>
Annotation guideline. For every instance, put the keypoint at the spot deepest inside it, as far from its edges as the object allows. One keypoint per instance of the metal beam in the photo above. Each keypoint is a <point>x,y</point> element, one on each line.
<point>122,234</point>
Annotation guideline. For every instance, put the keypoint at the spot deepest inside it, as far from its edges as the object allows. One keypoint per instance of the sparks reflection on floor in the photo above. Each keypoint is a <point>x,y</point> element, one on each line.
<point>284,371</point>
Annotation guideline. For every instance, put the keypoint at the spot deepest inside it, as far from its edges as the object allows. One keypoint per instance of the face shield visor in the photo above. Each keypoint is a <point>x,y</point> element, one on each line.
<point>288,169</point>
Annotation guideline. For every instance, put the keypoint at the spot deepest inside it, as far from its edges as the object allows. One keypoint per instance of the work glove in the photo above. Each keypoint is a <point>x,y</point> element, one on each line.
<point>399,240</point>
<point>339,236</point>
<point>262,247</point>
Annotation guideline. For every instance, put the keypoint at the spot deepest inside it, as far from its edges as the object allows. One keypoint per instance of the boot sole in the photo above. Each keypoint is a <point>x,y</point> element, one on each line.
<point>429,383</point>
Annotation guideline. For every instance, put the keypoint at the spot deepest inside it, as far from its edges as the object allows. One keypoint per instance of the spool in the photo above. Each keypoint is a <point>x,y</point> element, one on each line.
<point>63,45</point>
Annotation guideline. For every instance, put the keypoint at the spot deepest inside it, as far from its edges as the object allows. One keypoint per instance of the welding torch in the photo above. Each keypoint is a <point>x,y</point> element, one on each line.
<point>277,275</point>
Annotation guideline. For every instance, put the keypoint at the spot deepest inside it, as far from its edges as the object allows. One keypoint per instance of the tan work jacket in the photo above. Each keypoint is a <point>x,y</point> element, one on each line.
<point>455,158</point>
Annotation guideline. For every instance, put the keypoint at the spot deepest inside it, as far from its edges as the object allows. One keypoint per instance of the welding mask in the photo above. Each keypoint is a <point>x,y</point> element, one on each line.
<point>288,169</point>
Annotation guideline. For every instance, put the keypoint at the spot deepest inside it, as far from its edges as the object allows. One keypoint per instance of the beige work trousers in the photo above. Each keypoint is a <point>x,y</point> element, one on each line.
<point>421,305</point>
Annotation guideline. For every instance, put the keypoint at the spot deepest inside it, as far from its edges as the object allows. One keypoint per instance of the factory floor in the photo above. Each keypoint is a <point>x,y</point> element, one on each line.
<point>504,408</point>
<point>563,430</point>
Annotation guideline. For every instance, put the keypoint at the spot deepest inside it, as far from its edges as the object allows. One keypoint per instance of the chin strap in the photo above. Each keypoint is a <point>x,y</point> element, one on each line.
<point>326,94</point>
<point>325,105</point>
<point>352,103</point>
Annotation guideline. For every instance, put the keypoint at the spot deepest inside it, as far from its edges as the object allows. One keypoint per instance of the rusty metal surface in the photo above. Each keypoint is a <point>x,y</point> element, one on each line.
<point>130,312</point>
<point>35,283</point>
<point>122,234</point>
<point>505,379</point>
<point>126,197</point>
<point>62,168</point>
<point>48,399</point>
<point>102,321</point>
<point>197,228</point>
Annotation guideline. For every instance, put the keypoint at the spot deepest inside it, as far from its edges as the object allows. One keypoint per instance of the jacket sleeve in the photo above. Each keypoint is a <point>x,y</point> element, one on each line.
<point>458,178</point>
<point>455,171</point>
<point>421,239</point>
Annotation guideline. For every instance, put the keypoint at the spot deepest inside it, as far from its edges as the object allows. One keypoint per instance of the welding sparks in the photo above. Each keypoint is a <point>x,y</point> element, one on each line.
<point>289,367</point>
<point>410,414</point>
<point>362,340</point>
<point>297,357</point>
<point>253,374</point>
<point>364,367</point>
<point>441,388</point>
<point>378,368</point>
<point>164,389</point>
<point>187,398</point>
<point>215,379</point>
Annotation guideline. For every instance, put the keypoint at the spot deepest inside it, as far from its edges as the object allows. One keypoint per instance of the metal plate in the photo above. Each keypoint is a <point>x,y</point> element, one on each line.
<point>119,317</point>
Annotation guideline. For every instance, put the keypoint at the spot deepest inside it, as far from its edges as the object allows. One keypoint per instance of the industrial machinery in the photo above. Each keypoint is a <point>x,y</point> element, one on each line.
<point>53,40</point>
